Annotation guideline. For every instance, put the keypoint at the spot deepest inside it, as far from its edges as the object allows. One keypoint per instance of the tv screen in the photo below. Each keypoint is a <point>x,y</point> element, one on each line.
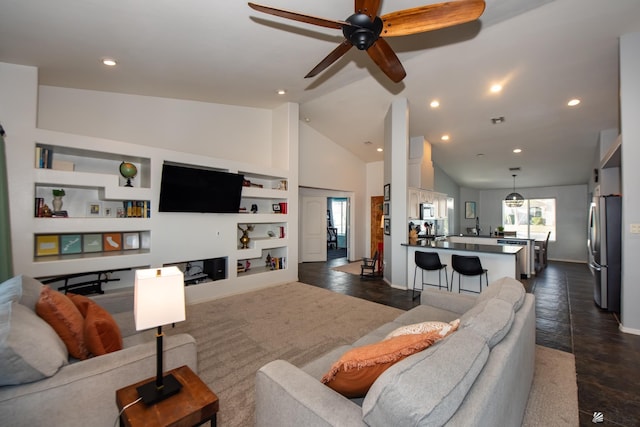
<point>186,189</point>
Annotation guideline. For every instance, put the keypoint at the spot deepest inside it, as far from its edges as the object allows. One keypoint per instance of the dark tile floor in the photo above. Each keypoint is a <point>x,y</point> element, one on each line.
<point>607,360</point>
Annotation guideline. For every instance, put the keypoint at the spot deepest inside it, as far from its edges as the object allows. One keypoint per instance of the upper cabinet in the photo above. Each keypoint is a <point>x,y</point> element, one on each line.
<point>417,196</point>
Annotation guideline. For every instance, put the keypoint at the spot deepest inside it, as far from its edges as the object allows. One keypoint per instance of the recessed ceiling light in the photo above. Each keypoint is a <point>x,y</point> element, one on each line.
<point>435,103</point>
<point>281,91</point>
<point>445,137</point>
<point>573,102</point>
<point>379,150</point>
<point>109,62</point>
<point>517,150</point>
<point>495,88</point>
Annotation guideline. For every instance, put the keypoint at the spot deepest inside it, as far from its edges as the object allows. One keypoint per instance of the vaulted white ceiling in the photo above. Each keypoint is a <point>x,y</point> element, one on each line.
<point>544,53</point>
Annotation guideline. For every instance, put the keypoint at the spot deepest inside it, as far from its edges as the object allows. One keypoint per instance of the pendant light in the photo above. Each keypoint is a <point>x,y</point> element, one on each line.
<point>514,200</point>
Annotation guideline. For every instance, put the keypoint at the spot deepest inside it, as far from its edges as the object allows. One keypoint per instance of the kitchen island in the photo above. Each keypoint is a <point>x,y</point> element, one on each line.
<point>499,260</point>
<point>527,260</point>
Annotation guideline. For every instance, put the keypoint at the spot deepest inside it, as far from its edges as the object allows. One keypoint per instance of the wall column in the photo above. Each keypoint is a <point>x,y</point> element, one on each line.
<point>396,150</point>
<point>630,127</point>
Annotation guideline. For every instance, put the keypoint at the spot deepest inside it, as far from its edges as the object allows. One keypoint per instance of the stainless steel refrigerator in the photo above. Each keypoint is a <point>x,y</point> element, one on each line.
<point>604,241</point>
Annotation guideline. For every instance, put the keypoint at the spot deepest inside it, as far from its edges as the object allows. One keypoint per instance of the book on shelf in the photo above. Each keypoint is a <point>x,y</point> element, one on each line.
<point>44,158</point>
<point>136,208</point>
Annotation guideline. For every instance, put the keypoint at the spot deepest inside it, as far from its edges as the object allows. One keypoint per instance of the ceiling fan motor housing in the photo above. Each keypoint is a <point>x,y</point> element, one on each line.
<point>364,32</point>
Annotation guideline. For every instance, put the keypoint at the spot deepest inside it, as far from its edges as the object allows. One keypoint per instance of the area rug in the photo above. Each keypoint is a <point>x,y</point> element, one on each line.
<point>297,322</point>
<point>351,268</point>
<point>553,399</point>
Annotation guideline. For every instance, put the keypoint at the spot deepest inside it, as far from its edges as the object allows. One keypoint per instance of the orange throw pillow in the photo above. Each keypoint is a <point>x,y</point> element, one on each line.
<point>63,316</point>
<point>354,373</point>
<point>101,332</point>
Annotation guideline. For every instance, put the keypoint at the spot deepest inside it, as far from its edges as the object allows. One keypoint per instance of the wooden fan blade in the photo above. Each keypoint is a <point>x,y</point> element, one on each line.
<point>308,19</point>
<point>330,59</point>
<point>368,7</point>
<point>383,55</point>
<point>431,17</point>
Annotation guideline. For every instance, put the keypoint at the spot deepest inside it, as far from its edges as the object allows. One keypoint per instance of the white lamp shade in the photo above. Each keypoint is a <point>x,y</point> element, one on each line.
<point>158,297</point>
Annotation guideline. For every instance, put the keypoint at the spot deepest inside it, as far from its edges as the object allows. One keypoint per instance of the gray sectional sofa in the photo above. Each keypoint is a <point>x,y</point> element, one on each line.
<point>479,375</point>
<point>82,393</point>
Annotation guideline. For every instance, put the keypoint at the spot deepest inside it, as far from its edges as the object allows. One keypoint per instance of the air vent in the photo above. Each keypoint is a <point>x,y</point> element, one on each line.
<point>514,169</point>
<point>497,120</point>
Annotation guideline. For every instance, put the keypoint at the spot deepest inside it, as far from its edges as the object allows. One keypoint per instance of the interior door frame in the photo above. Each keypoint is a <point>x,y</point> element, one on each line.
<point>321,192</point>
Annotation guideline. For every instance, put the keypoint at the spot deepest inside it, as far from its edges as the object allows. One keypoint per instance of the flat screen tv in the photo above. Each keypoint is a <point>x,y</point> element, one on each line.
<point>187,189</point>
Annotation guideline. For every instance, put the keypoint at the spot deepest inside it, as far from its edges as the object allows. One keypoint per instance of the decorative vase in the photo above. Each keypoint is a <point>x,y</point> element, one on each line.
<point>57,203</point>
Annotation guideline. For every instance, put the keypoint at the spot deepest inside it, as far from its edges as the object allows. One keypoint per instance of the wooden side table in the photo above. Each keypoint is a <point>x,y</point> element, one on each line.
<point>194,405</point>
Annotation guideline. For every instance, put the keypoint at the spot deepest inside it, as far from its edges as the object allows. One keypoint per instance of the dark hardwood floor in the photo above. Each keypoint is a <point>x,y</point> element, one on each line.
<point>607,360</point>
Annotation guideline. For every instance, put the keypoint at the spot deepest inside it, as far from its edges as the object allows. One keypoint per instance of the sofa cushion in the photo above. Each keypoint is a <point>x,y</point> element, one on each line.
<point>491,319</point>
<point>30,349</point>
<point>442,328</point>
<point>357,369</point>
<point>63,316</point>
<point>428,387</point>
<point>506,289</point>
<point>11,290</point>
<point>101,332</point>
<point>423,313</point>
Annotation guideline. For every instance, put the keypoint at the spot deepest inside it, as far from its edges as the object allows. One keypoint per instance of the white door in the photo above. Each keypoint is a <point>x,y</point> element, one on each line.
<point>313,228</point>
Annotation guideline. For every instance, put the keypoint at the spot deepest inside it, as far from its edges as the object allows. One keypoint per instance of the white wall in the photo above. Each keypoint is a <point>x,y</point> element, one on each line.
<point>572,203</point>
<point>630,127</point>
<point>213,130</point>
<point>325,165</point>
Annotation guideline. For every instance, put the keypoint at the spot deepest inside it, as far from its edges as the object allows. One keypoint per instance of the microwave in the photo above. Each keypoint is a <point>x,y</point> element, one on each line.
<point>427,211</point>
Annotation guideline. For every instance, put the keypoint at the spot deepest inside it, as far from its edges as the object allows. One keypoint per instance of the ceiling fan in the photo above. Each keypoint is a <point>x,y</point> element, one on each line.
<point>365,29</point>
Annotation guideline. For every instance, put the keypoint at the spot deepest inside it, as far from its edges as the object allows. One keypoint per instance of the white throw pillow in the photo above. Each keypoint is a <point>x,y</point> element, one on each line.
<point>424,327</point>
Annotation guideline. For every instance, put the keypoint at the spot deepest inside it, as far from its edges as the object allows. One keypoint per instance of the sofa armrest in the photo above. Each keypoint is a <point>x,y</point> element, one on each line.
<point>457,303</point>
<point>83,393</point>
<point>288,396</point>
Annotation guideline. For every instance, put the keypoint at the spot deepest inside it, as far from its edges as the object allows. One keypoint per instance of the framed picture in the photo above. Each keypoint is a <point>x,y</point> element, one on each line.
<point>130,241</point>
<point>92,243</point>
<point>387,226</point>
<point>47,245</point>
<point>94,209</point>
<point>70,244</point>
<point>469,210</point>
<point>276,207</point>
<point>111,242</point>
<point>385,209</point>
<point>387,192</point>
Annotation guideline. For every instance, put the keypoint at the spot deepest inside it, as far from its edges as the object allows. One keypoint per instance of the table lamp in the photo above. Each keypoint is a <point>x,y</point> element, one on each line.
<point>158,300</point>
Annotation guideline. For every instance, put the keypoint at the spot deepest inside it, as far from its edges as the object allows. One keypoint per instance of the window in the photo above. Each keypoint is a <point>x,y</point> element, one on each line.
<point>533,220</point>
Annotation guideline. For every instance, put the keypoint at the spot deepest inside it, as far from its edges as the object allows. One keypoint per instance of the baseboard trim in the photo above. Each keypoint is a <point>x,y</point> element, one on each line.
<point>629,330</point>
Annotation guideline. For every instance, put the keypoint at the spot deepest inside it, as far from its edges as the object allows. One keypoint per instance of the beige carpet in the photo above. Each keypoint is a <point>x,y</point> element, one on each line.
<point>297,322</point>
<point>351,268</point>
<point>553,400</point>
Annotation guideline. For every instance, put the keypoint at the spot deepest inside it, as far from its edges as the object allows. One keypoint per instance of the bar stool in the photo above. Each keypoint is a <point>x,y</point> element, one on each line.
<point>468,266</point>
<point>429,261</point>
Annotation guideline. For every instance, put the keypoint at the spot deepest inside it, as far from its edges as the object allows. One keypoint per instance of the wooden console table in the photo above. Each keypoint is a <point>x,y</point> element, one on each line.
<point>194,405</point>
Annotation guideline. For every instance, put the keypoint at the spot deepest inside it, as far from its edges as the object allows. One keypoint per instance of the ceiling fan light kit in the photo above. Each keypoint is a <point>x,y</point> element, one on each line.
<point>364,27</point>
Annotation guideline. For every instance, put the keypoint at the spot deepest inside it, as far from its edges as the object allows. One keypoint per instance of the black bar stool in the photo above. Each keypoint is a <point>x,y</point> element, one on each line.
<point>468,266</point>
<point>429,261</point>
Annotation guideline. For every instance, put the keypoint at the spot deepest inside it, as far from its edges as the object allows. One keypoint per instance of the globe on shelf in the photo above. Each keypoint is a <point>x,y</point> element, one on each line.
<point>129,171</point>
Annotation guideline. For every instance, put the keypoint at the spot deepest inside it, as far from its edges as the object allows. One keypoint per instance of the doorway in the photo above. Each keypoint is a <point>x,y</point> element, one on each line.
<point>321,209</point>
<point>337,220</point>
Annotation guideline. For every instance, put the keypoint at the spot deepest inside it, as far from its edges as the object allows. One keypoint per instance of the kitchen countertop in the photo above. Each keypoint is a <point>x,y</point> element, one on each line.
<point>491,249</point>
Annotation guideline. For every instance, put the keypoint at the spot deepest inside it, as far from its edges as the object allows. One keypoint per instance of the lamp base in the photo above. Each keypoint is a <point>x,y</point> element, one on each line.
<point>151,394</point>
